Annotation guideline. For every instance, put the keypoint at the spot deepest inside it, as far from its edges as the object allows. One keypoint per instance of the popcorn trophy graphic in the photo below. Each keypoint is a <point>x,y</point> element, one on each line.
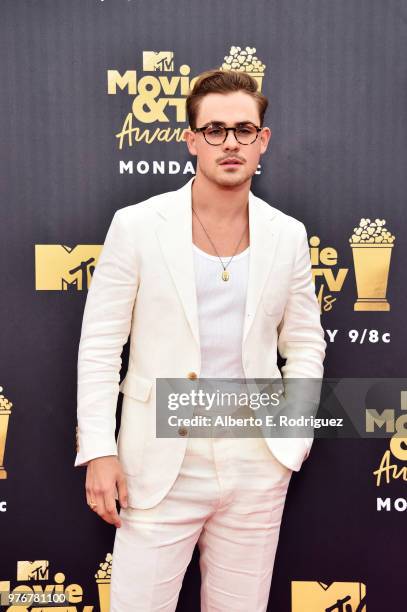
<point>371,245</point>
<point>103,581</point>
<point>245,61</point>
<point>5,411</point>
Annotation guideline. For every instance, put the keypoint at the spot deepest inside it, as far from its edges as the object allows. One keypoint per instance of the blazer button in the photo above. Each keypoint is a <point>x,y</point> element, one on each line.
<point>182,431</point>
<point>192,375</point>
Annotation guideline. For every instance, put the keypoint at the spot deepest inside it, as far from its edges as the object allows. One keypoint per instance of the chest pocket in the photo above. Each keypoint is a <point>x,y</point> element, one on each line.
<point>276,292</point>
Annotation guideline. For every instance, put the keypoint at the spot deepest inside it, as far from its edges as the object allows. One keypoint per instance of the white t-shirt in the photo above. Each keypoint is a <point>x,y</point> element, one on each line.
<point>221,310</point>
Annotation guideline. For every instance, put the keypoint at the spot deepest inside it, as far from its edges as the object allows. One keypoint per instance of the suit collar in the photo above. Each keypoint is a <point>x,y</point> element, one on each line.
<point>175,237</point>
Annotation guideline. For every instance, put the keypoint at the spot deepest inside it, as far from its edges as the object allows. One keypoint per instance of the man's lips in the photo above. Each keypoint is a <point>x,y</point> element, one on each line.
<point>231,163</point>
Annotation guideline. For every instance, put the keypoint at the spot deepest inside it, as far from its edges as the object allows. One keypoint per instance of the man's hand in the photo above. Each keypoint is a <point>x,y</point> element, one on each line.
<point>103,474</point>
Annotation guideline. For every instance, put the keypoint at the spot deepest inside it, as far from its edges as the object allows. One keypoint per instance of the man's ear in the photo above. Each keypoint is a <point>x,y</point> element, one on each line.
<point>265,139</point>
<point>189,137</point>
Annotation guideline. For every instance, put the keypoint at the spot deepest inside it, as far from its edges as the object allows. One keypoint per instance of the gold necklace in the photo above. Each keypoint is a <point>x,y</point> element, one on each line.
<point>225,273</point>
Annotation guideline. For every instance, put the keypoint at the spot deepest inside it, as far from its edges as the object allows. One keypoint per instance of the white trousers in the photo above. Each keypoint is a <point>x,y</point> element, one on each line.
<point>228,498</point>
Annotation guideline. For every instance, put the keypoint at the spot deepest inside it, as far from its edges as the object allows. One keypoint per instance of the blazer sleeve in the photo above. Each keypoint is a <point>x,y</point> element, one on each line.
<point>301,338</point>
<point>300,333</point>
<point>105,329</point>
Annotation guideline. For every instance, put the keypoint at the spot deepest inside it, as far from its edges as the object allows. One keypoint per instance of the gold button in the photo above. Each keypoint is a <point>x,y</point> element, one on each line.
<point>192,375</point>
<point>182,431</point>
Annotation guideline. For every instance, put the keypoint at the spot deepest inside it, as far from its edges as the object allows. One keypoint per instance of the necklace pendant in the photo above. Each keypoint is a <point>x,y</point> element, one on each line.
<point>225,275</point>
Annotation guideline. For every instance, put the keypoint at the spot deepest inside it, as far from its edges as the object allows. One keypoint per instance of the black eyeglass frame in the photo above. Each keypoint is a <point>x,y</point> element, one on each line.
<point>227,129</point>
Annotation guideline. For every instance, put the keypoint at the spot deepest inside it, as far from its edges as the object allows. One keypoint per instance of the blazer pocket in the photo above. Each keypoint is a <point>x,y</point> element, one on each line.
<point>136,386</point>
<point>273,309</point>
<point>273,305</point>
<point>275,294</point>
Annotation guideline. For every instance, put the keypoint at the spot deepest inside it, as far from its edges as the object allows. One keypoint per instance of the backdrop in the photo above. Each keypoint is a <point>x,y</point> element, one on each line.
<point>92,113</point>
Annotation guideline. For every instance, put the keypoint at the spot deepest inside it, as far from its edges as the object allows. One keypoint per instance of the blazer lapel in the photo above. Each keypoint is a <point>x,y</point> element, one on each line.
<point>175,237</point>
<point>263,243</point>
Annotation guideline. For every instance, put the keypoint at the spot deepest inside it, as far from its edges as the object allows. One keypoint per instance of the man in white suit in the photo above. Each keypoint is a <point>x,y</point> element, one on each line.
<point>209,281</point>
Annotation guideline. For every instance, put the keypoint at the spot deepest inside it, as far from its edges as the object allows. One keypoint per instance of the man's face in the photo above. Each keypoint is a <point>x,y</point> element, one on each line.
<point>231,109</point>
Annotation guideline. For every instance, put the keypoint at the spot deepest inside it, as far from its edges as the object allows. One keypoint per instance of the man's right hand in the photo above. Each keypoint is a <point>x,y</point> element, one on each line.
<point>103,475</point>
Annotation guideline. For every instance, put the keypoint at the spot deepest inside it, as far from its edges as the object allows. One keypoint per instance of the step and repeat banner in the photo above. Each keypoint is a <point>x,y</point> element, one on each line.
<point>92,116</point>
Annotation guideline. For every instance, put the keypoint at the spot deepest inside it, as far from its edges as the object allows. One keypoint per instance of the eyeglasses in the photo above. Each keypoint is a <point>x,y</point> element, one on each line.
<point>217,134</point>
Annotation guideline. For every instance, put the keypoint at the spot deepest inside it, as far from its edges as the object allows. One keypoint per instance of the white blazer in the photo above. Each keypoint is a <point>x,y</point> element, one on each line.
<point>144,285</point>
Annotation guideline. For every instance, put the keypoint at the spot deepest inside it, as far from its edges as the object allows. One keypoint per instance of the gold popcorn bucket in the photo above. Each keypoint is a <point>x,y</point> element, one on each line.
<point>104,594</point>
<point>372,265</point>
<point>258,76</point>
<point>4,419</point>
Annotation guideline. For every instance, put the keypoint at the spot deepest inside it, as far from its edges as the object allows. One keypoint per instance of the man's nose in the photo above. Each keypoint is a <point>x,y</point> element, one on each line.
<point>230,140</point>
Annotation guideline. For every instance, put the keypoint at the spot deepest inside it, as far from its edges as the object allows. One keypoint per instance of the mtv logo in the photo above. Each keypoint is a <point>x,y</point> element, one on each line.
<point>309,596</point>
<point>158,61</point>
<point>59,267</point>
<point>32,570</point>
